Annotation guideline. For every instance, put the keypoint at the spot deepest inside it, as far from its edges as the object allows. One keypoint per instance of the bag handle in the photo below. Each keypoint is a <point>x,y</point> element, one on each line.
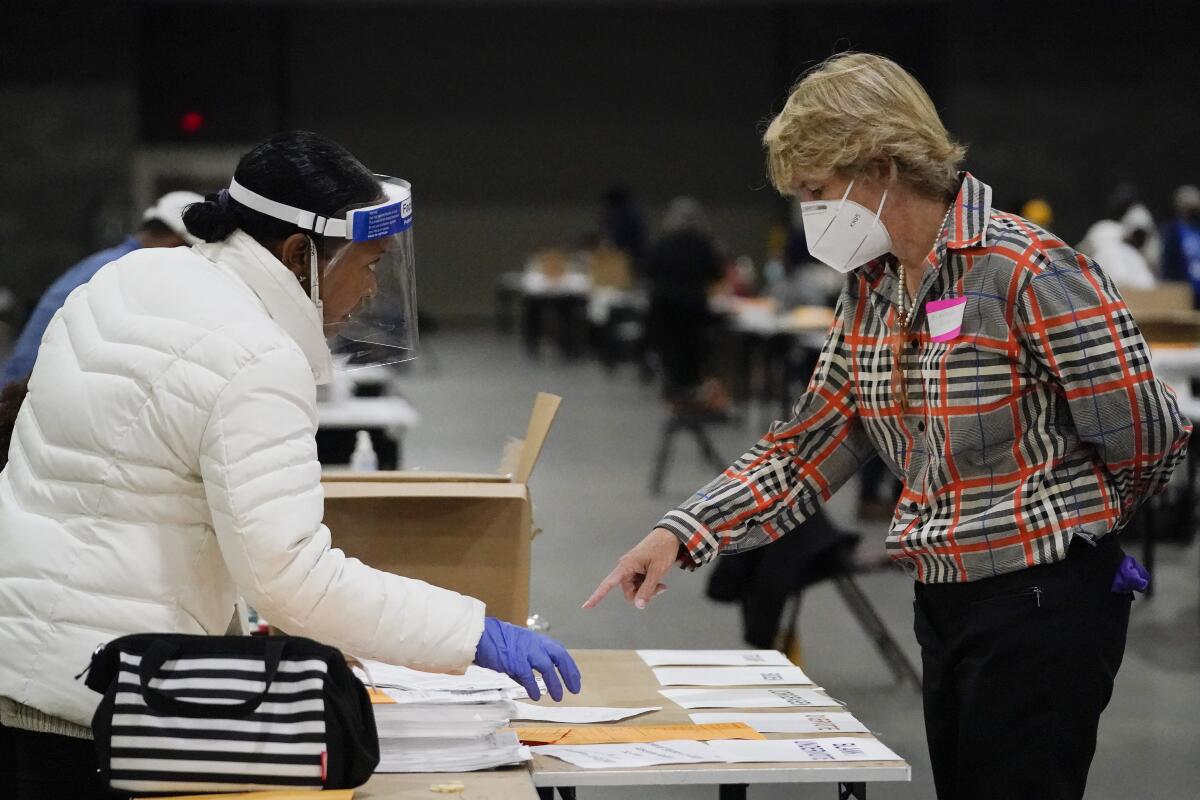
<point>162,651</point>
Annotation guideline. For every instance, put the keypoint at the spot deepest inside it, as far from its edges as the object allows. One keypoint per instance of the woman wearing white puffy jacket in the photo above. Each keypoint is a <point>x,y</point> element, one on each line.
<point>164,462</point>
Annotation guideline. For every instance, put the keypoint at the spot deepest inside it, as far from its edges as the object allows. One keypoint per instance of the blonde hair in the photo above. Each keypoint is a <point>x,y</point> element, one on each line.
<point>853,112</point>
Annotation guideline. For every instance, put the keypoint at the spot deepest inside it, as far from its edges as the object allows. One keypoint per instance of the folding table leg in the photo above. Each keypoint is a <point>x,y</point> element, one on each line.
<point>564,792</point>
<point>852,791</point>
<point>732,791</point>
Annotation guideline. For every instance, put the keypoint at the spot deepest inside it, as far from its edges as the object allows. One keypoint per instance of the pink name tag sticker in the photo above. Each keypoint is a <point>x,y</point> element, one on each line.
<point>945,318</point>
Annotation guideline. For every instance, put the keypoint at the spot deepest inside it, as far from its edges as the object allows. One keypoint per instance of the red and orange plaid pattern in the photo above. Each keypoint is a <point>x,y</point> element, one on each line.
<point>1042,420</point>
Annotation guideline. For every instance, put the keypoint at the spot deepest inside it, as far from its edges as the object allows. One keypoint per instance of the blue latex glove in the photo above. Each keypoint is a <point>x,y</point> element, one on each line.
<point>517,652</point>
<point>1131,576</point>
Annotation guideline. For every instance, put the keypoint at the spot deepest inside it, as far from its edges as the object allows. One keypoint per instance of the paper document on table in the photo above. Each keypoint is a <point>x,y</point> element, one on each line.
<point>601,756</point>
<point>626,734</point>
<point>578,714</point>
<point>476,679</point>
<point>804,750</point>
<point>411,697</point>
<point>732,676</point>
<point>750,698</point>
<point>784,722</point>
<point>714,658</point>
<point>439,754</point>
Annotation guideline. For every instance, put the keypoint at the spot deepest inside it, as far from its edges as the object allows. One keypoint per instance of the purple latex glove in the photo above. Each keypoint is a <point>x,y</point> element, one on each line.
<point>517,652</point>
<point>1131,576</point>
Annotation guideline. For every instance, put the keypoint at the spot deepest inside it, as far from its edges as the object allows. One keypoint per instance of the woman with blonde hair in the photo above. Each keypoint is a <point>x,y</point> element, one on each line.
<point>998,373</point>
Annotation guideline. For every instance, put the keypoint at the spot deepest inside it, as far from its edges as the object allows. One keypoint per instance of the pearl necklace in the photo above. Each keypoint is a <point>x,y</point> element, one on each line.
<point>903,313</point>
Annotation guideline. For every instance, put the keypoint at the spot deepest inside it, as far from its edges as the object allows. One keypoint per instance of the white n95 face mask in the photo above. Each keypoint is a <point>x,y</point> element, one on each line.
<point>844,235</point>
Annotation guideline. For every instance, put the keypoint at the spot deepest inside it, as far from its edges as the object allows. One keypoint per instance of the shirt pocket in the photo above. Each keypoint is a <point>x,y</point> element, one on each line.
<point>972,373</point>
<point>978,384</point>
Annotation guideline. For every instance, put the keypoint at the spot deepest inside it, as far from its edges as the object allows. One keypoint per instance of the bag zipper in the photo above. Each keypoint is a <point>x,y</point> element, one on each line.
<point>92,660</point>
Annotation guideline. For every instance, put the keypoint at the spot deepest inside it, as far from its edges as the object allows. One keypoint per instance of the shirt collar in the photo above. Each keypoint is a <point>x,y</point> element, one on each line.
<point>970,215</point>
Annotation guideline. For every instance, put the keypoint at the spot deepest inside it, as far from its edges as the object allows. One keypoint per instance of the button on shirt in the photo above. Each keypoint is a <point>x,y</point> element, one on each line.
<point>1040,420</point>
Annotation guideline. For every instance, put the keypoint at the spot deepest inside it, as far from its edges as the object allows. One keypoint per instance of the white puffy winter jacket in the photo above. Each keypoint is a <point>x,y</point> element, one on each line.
<point>164,461</point>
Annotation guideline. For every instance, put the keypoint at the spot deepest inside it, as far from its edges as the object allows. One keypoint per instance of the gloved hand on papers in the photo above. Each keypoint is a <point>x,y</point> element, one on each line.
<point>517,652</point>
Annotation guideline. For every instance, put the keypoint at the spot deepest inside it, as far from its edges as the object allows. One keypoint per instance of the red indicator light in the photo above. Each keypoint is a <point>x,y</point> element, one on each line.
<point>191,122</point>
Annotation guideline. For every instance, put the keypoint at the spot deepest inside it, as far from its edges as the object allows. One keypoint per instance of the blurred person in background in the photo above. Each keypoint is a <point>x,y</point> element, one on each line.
<point>1181,240</point>
<point>681,269</point>
<point>1124,212</point>
<point>622,224</point>
<point>164,462</point>
<point>1026,440</point>
<point>162,226</point>
<point>1118,249</point>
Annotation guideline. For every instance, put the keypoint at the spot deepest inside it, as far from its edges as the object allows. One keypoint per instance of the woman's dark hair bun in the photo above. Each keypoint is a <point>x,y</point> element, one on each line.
<point>297,168</point>
<point>212,220</point>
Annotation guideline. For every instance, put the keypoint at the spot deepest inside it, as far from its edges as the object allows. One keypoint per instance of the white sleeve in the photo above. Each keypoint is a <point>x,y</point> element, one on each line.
<point>263,484</point>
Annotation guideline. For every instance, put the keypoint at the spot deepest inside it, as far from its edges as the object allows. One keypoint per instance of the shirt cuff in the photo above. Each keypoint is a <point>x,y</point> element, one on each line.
<point>697,544</point>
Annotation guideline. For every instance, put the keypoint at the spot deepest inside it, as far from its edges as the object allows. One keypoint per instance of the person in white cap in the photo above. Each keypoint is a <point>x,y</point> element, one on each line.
<point>162,226</point>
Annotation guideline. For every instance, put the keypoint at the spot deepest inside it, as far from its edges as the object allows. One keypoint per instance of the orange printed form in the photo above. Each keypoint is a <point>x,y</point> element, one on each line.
<point>378,698</point>
<point>634,734</point>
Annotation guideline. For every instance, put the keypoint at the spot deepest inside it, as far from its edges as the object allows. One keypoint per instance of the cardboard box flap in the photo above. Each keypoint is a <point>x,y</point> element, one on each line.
<point>413,476</point>
<point>544,410</point>
<point>341,490</point>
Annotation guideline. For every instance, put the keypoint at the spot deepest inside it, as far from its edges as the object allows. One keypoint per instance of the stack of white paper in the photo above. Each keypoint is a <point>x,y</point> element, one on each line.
<point>445,723</point>
<point>476,679</point>
<point>714,658</point>
<point>437,720</point>
<point>784,722</point>
<point>750,698</point>
<point>803,750</point>
<point>578,714</point>
<point>451,755</point>
<point>729,751</point>
<point>732,676</point>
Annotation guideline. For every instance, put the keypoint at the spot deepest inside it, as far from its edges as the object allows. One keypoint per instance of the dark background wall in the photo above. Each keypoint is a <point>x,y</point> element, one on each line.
<point>511,118</point>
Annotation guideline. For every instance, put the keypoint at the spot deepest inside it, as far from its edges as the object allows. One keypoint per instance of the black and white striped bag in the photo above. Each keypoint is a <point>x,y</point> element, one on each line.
<point>229,713</point>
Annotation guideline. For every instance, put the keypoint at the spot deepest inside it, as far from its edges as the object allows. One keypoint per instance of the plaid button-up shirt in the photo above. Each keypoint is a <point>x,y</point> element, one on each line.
<point>1040,421</point>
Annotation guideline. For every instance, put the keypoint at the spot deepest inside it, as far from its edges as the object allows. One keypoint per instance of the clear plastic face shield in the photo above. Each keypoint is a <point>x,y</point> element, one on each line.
<point>362,275</point>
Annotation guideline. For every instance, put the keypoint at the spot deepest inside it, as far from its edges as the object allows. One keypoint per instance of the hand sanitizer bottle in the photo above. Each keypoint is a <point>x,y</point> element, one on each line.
<point>364,459</point>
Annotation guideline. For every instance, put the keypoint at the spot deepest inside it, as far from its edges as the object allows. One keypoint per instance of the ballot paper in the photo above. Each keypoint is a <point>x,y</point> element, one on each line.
<point>451,755</point>
<point>476,679</point>
<point>440,697</point>
<point>714,658</point>
<point>578,714</point>
<point>803,750</point>
<point>601,756</point>
<point>750,698</point>
<point>436,720</point>
<point>731,676</point>
<point>785,722</point>
<point>629,734</point>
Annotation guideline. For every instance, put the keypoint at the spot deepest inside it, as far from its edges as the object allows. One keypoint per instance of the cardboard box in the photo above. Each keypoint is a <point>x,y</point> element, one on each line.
<point>463,531</point>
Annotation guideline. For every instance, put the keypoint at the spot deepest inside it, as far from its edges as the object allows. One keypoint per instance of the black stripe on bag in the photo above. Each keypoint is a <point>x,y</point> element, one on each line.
<point>227,735</point>
<point>303,716</point>
<point>233,694</point>
<point>164,754</point>
<point>242,675</point>
<point>174,778</point>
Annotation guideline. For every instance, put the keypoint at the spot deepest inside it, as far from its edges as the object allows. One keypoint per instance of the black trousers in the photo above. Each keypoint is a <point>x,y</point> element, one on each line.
<point>45,766</point>
<point>1017,669</point>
